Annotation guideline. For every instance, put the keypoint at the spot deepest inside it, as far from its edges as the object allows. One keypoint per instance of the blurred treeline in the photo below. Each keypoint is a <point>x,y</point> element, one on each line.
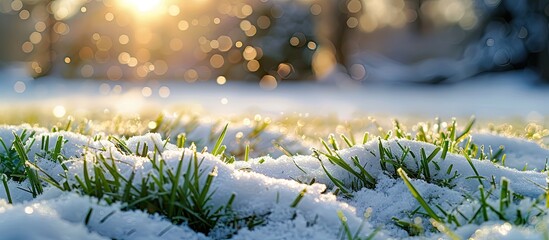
<point>252,40</point>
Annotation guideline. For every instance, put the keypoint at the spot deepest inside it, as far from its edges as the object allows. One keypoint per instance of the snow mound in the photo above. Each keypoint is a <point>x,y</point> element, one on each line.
<point>292,196</point>
<point>520,154</point>
<point>64,217</point>
<point>253,133</point>
<point>368,154</point>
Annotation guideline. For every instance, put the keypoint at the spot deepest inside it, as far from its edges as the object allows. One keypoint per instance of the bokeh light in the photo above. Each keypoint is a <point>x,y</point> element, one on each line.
<point>19,87</point>
<point>59,111</point>
<point>221,80</point>
<point>224,101</point>
<point>164,92</point>
<point>198,40</point>
<point>268,82</point>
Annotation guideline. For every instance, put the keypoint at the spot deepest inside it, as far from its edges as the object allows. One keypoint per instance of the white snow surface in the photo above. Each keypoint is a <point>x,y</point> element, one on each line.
<point>266,186</point>
<point>520,154</point>
<point>489,96</point>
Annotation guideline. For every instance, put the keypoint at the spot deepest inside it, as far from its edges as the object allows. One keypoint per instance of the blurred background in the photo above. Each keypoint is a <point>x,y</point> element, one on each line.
<point>272,41</point>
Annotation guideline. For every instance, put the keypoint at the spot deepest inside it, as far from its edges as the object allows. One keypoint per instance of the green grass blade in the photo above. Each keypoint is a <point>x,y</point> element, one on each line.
<point>445,148</point>
<point>477,175</point>
<point>247,153</point>
<point>19,147</point>
<point>345,225</point>
<point>216,148</point>
<point>467,130</point>
<point>88,216</point>
<point>338,183</point>
<point>333,142</point>
<point>365,138</point>
<point>326,146</point>
<point>279,147</point>
<point>418,196</point>
<point>120,145</point>
<point>346,140</point>
<point>181,139</point>
<point>504,194</point>
<point>298,198</point>
<point>4,178</point>
<point>441,227</point>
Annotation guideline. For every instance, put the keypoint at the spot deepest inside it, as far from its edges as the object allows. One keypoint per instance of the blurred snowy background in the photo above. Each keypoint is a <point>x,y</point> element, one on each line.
<point>443,57</point>
<point>270,41</point>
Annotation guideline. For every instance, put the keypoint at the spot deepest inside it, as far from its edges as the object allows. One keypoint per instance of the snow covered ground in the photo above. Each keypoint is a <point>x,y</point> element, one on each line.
<point>469,198</point>
<point>491,96</point>
<point>269,187</point>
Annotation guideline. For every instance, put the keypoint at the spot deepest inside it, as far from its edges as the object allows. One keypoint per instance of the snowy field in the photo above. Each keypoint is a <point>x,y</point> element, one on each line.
<point>491,96</point>
<point>312,196</point>
<point>266,176</point>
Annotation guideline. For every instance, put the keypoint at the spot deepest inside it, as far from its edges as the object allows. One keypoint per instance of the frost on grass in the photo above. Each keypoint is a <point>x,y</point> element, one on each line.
<point>354,192</point>
<point>269,200</point>
<point>520,154</point>
<point>70,216</point>
<point>256,133</point>
<point>368,155</point>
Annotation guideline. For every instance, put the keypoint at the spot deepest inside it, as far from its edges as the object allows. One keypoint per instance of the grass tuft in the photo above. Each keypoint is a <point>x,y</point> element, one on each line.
<point>183,192</point>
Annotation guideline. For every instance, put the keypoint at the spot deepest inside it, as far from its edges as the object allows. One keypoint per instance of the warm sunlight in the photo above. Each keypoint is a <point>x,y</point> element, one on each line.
<point>274,119</point>
<point>143,6</point>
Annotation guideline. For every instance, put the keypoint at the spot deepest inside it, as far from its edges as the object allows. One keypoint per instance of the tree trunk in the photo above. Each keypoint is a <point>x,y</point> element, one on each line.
<point>46,59</point>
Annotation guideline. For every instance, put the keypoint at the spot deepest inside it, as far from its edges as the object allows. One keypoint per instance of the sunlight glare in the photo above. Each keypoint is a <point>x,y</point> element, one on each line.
<point>29,210</point>
<point>143,6</point>
<point>59,111</point>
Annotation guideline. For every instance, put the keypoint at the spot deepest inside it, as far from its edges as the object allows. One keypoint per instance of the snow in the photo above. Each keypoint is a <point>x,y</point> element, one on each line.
<point>40,222</point>
<point>62,216</point>
<point>489,96</point>
<point>368,157</point>
<point>520,154</point>
<point>504,231</point>
<point>204,135</point>
<point>269,182</point>
<point>267,186</point>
